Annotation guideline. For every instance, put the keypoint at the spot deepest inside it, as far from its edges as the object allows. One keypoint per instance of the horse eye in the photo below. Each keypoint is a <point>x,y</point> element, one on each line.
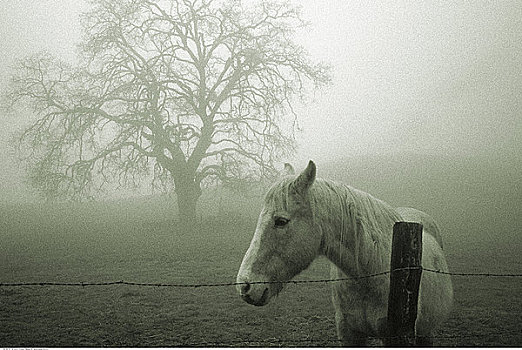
<point>280,222</point>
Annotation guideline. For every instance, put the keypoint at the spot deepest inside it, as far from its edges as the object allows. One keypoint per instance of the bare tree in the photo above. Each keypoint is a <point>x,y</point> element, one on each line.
<point>182,92</point>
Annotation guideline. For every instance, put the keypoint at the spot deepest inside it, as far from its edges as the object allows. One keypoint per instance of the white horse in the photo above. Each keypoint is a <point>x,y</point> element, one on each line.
<point>304,217</point>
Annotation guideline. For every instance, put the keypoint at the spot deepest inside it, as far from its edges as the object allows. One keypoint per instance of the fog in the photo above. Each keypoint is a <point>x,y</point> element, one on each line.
<point>417,76</point>
<point>408,77</point>
<point>424,111</point>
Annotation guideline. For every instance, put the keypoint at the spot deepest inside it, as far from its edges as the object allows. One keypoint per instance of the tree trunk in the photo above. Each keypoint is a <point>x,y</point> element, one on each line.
<point>187,193</point>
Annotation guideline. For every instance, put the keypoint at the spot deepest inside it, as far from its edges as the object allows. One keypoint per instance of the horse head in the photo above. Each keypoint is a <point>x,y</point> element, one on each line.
<point>285,241</point>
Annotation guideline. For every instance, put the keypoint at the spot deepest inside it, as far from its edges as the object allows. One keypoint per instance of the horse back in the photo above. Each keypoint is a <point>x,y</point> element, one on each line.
<point>428,224</point>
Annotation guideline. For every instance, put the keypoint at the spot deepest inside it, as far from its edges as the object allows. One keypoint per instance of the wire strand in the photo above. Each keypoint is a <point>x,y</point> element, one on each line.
<point>226,284</point>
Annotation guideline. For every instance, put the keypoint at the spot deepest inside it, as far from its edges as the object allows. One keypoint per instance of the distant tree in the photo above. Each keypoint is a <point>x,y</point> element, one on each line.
<point>180,92</point>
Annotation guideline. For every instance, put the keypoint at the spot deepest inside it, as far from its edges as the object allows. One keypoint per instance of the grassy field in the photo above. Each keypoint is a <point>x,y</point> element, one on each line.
<point>102,242</point>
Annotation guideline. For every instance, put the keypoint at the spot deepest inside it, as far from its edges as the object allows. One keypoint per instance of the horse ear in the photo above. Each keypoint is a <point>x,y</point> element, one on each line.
<point>303,182</point>
<point>288,170</point>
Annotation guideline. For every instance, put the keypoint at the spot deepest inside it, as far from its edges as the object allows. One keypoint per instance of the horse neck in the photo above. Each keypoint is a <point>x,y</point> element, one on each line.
<point>356,229</point>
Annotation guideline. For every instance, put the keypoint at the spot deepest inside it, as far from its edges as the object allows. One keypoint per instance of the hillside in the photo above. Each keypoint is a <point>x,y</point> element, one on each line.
<point>468,196</point>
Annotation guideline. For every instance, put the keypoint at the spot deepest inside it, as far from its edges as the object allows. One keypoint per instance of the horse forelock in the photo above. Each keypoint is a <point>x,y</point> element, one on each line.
<point>278,196</point>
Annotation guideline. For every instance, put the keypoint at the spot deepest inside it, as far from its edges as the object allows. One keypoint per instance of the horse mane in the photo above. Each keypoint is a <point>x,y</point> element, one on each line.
<point>364,223</point>
<point>368,219</point>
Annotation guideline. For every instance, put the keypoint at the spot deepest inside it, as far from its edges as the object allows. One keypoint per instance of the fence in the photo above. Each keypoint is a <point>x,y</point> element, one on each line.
<point>397,314</point>
<point>227,284</point>
<point>272,341</point>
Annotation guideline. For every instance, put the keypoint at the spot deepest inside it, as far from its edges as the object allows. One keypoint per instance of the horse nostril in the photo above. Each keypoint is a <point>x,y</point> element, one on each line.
<point>245,288</point>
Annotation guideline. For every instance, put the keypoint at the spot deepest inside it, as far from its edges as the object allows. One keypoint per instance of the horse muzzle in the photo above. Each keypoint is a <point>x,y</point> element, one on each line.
<point>254,293</point>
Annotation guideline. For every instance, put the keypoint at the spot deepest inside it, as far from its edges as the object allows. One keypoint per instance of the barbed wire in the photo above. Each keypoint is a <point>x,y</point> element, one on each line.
<point>226,284</point>
<point>308,342</point>
<point>473,274</point>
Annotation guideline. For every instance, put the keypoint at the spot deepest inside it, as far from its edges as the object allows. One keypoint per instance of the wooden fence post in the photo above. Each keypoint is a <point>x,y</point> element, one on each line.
<point>404,284</point>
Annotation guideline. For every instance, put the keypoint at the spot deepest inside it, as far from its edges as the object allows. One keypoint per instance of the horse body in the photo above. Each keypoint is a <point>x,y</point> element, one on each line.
<point>428,224</point>
<point>361,305</point>
<point>304,218</point>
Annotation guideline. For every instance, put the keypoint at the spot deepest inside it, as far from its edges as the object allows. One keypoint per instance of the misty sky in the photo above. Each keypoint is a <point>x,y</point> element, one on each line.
<point>417,76</point>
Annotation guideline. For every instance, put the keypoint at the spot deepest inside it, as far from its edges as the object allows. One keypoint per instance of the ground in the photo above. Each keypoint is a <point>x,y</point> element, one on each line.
<point>91,246</point>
